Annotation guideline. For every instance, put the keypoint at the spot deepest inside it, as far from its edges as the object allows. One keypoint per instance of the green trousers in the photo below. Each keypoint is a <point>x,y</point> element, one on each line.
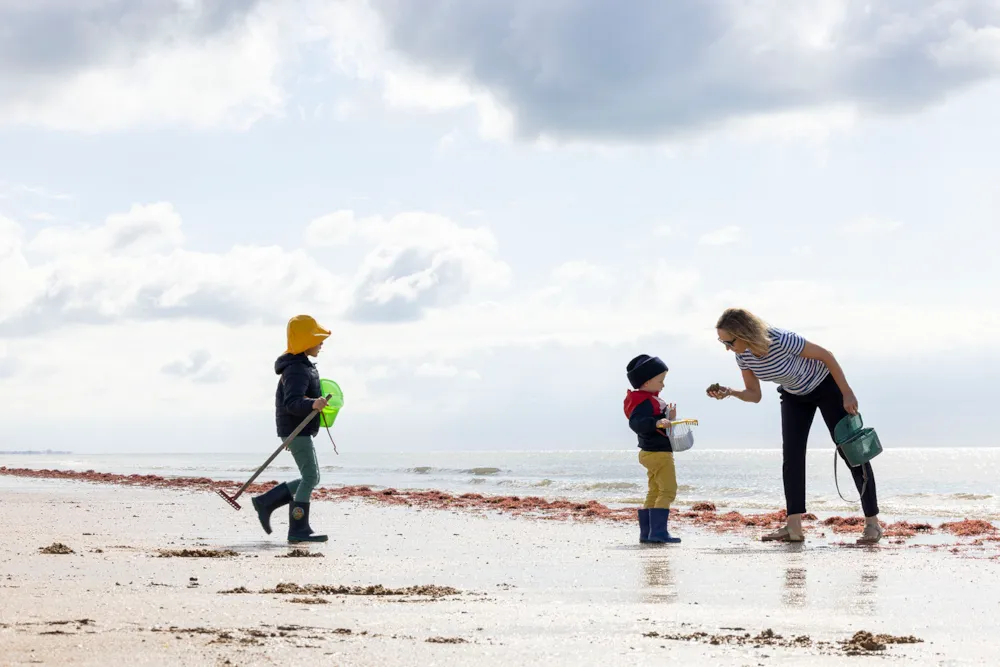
<point>304,453</point>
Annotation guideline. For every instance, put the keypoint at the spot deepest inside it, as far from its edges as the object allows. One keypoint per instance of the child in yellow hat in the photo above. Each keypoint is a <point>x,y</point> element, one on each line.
<point>297,395</point>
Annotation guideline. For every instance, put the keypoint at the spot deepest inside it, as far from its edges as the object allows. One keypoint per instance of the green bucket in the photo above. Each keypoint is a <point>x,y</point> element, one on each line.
<point>859,444</point>
<point>332,409</point>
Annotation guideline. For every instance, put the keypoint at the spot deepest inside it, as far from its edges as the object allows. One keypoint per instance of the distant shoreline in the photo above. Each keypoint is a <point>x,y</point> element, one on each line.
<point>46,451</point>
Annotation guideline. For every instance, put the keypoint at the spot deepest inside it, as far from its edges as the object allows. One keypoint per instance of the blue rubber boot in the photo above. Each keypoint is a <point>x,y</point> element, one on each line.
<point>298,524</point>
<point>658,519</point>
<point>269,501</point>
<point>643,526</point>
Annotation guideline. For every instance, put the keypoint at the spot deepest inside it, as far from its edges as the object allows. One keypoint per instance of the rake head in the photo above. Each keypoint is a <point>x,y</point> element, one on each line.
<point>231,501</point>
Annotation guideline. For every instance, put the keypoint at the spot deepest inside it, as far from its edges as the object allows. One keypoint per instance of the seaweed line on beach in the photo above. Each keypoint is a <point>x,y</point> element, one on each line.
<point>861,643</point>
<point>80,624</point>
<point>377,590</point>
<point>261,635</point>
<point>197,553</point>
<point>704,514</point>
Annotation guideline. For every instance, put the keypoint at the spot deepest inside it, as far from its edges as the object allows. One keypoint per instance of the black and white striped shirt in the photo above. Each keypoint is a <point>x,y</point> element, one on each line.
<point>782,363</point>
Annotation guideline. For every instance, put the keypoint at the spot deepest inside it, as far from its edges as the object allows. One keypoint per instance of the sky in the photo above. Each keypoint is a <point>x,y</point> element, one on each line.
<point>493,205</point>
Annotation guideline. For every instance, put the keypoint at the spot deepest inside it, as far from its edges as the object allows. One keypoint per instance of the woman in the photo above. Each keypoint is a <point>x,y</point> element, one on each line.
<point>808,377</point>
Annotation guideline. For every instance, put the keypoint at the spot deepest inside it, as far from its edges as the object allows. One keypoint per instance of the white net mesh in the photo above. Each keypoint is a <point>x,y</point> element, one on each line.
<point>681,437</point>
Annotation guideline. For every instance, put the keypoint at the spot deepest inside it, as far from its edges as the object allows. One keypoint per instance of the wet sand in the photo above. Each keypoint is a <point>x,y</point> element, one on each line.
<point>173,575</point>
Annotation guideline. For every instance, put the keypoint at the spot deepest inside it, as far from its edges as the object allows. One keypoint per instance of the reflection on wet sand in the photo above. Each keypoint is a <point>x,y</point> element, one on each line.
<point>794,591</point>
<point>658,581</point>
<point>865,600</point>
<point>857,594</point>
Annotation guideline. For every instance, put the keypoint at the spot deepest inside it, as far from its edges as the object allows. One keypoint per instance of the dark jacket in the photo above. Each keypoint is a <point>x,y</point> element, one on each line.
<point>643,410</point>
<point>297,388</point>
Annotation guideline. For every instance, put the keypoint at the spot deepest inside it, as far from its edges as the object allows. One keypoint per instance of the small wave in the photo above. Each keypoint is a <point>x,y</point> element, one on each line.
<point>947,496</point>
<point>609,486</point>
<point>477,480</point>
<point>420,470</point>
<point>481,471</point>
<point>270,468</point>
<point>580,486</point>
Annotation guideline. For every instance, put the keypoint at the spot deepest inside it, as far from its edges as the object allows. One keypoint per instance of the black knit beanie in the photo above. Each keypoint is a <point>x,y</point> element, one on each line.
<point>644,368</point>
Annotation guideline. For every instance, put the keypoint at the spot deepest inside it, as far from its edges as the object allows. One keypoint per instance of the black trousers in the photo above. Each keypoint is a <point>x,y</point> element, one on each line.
<point>797,413</point>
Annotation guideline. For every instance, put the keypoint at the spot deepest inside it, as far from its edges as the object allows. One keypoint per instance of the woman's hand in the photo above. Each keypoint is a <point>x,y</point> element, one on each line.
<point>319,403</point>
<point>850,402</point>
<point>663,423</point>
<point>718,392</point>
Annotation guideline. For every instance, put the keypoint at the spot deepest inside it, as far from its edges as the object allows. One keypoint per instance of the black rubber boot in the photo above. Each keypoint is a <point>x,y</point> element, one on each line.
<point>298,524</point>
<point>269,501</point>
<point>658,519</point>
<point>644,526</point>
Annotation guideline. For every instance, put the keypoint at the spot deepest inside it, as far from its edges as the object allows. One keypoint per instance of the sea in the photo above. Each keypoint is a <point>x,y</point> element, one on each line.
<point>946,483</point>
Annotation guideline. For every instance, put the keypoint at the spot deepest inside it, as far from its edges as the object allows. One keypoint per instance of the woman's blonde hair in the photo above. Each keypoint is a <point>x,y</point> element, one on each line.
<point>747,326</point>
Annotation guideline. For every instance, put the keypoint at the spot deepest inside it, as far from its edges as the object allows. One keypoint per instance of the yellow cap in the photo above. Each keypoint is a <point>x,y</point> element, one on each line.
<point>304,333</point>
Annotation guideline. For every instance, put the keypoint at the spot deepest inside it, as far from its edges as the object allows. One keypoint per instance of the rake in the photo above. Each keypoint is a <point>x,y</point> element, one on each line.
<point>298,429</point>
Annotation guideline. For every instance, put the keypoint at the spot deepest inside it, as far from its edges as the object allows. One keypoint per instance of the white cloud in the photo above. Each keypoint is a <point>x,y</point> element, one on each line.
<point>22,190</point>
<point>580,271</point>
<point>969,46</point>
<point>133,267</point>
<point>330,230</point>
<point>723,236</point>
<point>800,73</point>
<point>143,229</point>
<point>690,66</point>
<point>870,226</point>
<point>419,261</point>
<point>197,366</point>
<point>811,124</point>
<point>442,286</point>
<point>10,237</point>
<point>360,46</point>
<point>207,67</point>
<point>191,362</point>
<point>8,364</point>
<point>436,370</point>
<point>186,64</point>
<point>447,143</point>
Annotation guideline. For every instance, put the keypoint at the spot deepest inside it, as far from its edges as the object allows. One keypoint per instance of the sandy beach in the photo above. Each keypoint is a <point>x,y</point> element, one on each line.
<point>161,576</point>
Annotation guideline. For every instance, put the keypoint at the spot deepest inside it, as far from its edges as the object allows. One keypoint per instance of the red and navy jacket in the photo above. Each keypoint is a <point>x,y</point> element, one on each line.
<point>644,409</point>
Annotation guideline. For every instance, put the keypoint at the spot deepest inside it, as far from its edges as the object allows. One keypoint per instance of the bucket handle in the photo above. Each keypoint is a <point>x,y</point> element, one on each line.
<point>864,472</point>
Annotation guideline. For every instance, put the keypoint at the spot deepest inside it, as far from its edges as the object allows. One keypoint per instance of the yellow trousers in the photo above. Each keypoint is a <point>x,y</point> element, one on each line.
<point>662,478</point>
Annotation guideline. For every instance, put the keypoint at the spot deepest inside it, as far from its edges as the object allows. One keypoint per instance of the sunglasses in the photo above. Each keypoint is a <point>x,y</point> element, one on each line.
<point>728,343</point>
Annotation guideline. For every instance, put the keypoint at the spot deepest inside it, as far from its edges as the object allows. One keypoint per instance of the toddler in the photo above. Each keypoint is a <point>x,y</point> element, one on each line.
<point>649,416</point>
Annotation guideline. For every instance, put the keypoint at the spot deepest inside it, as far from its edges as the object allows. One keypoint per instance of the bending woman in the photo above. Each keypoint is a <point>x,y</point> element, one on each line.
<point>808,378</point>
